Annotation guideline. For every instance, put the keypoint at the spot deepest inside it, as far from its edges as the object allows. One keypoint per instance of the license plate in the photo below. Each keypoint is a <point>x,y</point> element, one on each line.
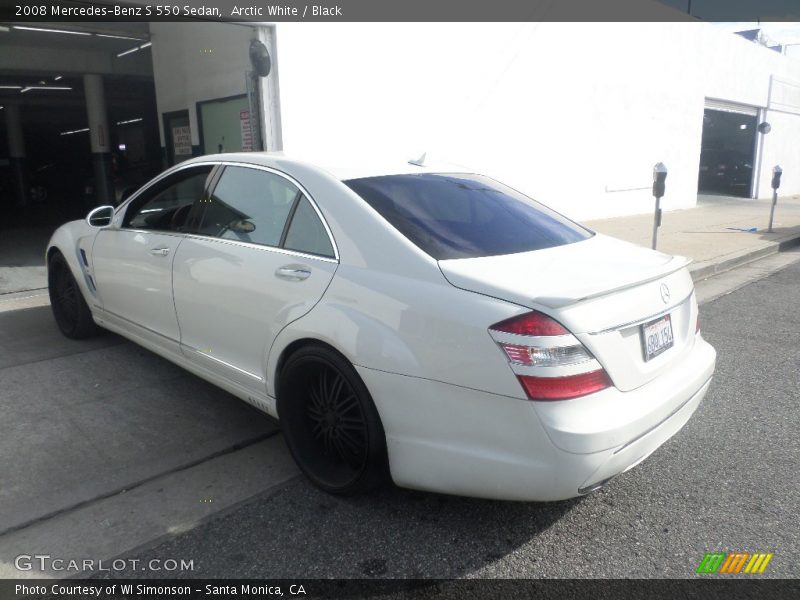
<point>657,337</point>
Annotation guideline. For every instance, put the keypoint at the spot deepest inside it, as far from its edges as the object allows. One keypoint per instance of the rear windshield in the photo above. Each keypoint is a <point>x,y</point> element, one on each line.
<point>465,215</point>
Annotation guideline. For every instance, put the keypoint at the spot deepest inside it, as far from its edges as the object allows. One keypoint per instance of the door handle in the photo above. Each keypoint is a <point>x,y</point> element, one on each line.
<point>293,273</point>
<point>161,251</point>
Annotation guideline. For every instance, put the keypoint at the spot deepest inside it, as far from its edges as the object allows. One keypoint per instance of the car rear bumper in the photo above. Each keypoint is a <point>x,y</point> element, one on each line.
<point>450,439</point>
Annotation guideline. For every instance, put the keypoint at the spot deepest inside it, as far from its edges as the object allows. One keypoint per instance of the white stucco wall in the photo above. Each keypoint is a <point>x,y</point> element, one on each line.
<point>573,114</point>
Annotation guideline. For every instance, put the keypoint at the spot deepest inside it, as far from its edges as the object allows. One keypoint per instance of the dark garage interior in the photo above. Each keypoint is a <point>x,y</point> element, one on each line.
<point>726,156</point>
<point>50,175</point>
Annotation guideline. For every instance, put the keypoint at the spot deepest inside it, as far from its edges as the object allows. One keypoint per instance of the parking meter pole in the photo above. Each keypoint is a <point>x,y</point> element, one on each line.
<point>656,221</point>
<point>776,183</point>
<point>772,209</point>
<point>659,186</point>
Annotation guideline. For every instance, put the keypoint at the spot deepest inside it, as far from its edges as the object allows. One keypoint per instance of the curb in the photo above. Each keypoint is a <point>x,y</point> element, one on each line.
<point>700,271</point>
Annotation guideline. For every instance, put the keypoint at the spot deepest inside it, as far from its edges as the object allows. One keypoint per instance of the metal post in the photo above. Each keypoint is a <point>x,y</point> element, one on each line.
<point>772,209</point>
<point>656,221</point>
<point>659,177</point>
<point>776,183</point>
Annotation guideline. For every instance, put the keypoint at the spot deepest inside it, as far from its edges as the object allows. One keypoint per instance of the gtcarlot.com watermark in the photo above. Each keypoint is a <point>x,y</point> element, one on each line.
<point>46,562</point>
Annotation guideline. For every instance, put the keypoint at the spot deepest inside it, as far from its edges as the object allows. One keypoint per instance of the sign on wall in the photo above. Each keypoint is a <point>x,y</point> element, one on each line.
<point>182,140</point>
<point>247,132</point>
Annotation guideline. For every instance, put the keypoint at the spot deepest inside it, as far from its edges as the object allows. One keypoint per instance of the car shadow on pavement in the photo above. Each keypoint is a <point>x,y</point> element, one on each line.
<point>300,531</point>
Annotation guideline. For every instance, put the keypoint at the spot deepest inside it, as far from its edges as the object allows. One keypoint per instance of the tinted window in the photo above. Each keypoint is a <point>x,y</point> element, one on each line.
<point>307,233</point>
<point>166,205</point>
<point>249,205</point>
<point>465,216</point>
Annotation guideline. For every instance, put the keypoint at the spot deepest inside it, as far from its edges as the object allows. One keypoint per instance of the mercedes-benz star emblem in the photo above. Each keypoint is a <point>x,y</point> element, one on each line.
<point>665,293</point>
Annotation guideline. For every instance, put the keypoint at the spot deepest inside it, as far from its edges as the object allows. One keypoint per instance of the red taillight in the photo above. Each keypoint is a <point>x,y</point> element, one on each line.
<point>564,388</point>
<point>532,323</point>
<point>540,363</point>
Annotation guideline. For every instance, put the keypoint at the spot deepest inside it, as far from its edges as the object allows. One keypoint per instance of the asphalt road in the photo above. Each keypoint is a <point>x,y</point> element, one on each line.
<point>726,482</point>
<point>88,419</point>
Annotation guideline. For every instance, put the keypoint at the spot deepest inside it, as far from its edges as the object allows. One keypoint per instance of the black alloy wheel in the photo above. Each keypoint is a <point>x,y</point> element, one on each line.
<point>330,422</point>
<point>70,310</point>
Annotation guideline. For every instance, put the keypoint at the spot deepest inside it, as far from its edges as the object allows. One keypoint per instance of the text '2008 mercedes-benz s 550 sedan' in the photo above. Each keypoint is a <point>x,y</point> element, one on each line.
<point>433,327</point>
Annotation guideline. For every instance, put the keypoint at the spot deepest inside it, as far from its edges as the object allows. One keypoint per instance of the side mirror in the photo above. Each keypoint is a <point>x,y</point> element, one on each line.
<point>100,216</point>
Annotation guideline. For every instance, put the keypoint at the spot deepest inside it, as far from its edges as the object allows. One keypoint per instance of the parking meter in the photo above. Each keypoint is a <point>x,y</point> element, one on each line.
<point>776,183</point>
<point>659,179</point>
<point>776,177</point>
<point>659,186</point>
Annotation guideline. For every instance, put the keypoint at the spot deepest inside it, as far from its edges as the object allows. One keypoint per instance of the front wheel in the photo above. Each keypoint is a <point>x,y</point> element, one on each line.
<point>70,310</point>
<point>330,422</point>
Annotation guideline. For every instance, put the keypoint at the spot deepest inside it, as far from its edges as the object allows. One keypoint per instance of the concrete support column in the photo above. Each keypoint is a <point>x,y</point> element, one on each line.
<point>100,138</point>
<point>16,152</point>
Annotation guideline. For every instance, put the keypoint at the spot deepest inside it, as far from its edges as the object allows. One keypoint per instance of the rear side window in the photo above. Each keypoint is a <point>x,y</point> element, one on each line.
<point>249,205</point>
<point>464,215</point>
<point>307,233</point>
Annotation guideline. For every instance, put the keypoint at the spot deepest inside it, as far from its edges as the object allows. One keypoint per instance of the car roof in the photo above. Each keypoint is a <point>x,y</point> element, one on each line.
<point>342,169</point>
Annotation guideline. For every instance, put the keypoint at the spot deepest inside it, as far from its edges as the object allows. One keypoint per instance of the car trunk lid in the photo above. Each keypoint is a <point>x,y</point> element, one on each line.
<point>602,289</point>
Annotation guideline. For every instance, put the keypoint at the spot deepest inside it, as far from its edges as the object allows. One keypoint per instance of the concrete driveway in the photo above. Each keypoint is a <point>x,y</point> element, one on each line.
<point>86,420</point>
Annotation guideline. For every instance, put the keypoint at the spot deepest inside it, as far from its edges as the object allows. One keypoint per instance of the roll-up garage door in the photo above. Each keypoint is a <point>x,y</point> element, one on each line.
<point>731,107</point>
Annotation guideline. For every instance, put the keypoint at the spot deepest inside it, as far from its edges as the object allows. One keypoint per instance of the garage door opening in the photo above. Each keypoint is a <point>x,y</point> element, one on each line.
<point>728,151</point>
<point>78,120</point>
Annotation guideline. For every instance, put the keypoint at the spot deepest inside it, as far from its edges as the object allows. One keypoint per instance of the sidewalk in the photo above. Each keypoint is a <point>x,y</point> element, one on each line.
<point>22,265</point>
<point>710,234</point>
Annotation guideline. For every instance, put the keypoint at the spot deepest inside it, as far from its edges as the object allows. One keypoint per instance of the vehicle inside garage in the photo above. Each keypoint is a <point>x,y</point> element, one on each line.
<point>727,154</point>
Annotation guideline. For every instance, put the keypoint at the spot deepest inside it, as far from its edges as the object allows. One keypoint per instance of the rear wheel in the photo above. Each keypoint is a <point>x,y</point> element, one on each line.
<point>330,422</point>
<point>70,310</point>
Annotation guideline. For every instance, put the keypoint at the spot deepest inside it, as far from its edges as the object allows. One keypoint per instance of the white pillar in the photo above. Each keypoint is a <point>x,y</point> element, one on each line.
<point>99,136</point>
<point>96,111</point>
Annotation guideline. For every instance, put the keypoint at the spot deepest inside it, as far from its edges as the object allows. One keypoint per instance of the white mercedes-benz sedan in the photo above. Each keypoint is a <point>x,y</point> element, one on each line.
<point>433,327</point>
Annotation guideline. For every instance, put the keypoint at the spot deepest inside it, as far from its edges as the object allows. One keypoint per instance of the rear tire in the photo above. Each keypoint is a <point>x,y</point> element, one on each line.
<point>330,423</point>
<point>70,310</point>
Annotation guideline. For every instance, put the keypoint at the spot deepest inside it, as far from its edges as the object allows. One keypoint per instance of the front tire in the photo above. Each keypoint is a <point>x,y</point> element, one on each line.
<point>70,310</point>
<point>330,423</point>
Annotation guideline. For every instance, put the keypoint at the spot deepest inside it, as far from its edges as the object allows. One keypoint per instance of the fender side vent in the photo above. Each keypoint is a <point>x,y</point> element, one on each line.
<point>83,258</point>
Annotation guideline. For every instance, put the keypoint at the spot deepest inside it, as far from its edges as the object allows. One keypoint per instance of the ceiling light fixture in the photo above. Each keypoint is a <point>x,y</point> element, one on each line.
<point>118,37</point>
<point>134,49</point>
<point>44,87</point>
<point>46,30</point>
<point>74,131</point>
<point>130,121</point>
<point>10,87</point>
<point>57,78</point>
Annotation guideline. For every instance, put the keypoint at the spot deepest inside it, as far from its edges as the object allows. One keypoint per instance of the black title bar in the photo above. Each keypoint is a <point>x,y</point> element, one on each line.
<point>704,588</point>
<point>399,10</point>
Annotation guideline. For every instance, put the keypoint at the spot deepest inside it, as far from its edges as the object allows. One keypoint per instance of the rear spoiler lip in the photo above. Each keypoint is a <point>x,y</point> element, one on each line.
<point>676,264</point>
